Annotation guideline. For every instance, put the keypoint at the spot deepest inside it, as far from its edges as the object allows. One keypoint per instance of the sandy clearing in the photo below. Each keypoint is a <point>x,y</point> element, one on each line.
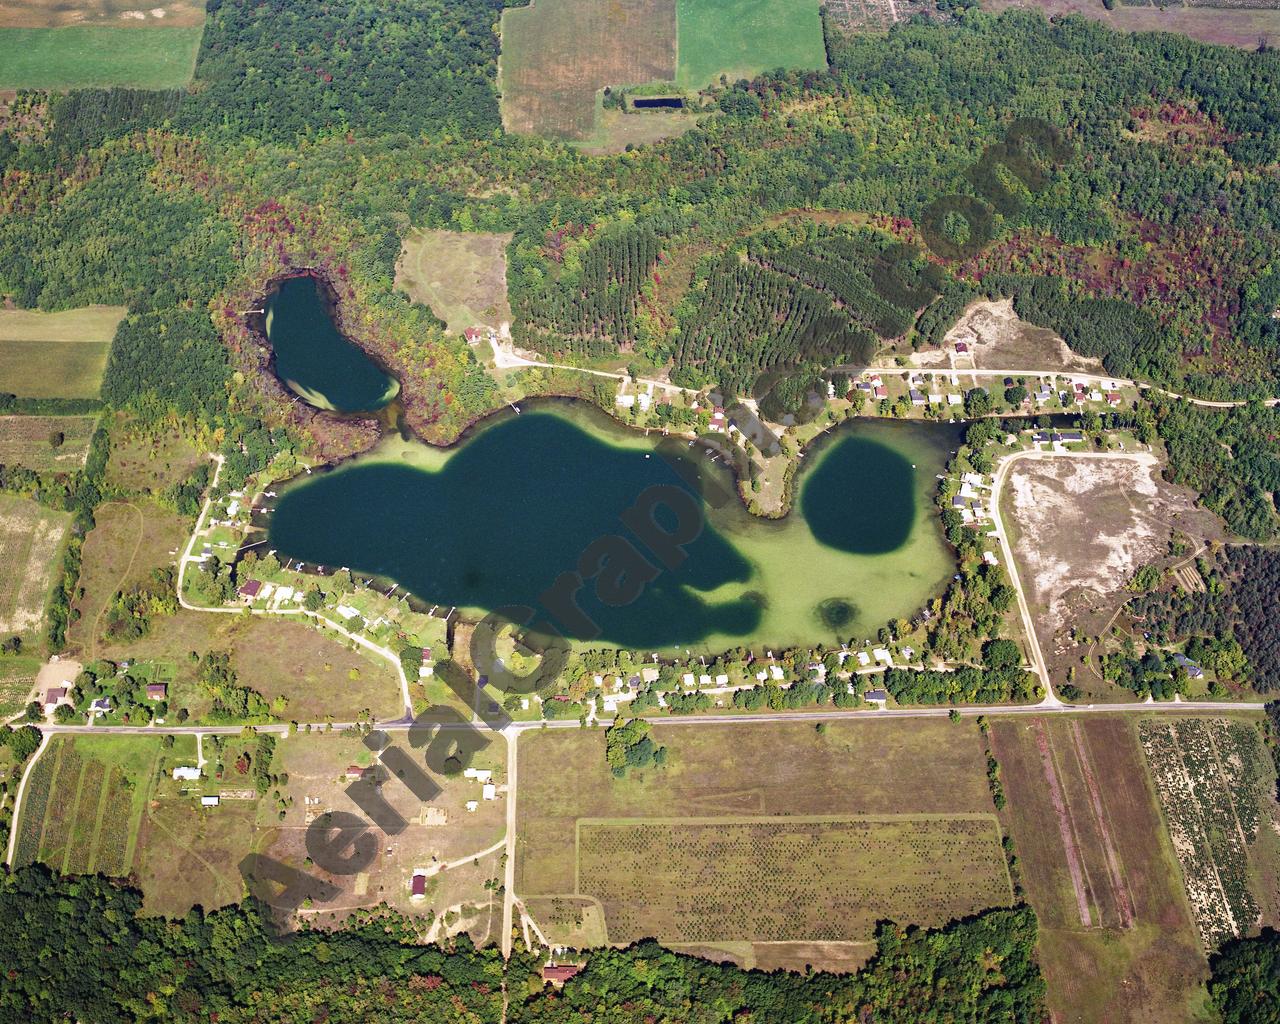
<point>1081,524</point>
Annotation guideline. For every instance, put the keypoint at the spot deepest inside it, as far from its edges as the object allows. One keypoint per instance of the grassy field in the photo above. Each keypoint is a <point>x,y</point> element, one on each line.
<point>28,441</point>
<point>615,130</point>
<point>888,819</point>
<point>306,674</point>
<point>556,54</point>
<point>54,355</point>
<point>741,38</point>
<point>30,544</point>
<point>461,276</point>
<point>128,541</point>
<point>1117,939</point>
<point>89,56</point>
<point>150,459</point>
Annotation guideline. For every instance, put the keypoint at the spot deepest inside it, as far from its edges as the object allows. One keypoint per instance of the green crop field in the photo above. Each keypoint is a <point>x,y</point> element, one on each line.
<point>86,56</point>
<point>46,443</point>
<point>55,355</point>
<point>741,38</point>
<point>17,676</point>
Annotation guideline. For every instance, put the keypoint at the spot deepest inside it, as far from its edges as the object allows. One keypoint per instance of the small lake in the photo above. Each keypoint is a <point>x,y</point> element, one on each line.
<point>494,520</point>
<point>313,358</point>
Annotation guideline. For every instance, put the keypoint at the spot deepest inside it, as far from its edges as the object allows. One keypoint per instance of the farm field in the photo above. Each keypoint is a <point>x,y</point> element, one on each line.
<point>1215,781</point>
<point>128,541</point>
<point>29,441</point>
<point>735,804</point>
<point>54,355</point>
<point>17,676</point>
<point>440,832</point>
<point>1116,936</point>
<point>461,276</point>
<point>98,56</point>
<point>86,798</point>
<point>741,38</point>
<point>1225,25</point>
<point>43,14</point>
<point>30,546</point>
<point>556,54</point>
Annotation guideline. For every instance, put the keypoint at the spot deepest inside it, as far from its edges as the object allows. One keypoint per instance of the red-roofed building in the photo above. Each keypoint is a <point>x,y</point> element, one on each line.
<point>157,691</point>
<point>473,335</point>
<point>249,589</point>
<point>418,886</point>
<point>558,974</point>
<point>355,772</point>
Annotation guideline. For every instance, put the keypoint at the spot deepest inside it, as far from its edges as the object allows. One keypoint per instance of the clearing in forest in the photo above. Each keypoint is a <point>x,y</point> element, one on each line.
<point>1117,942</point>
<point>30,545</point>
<point>55,355</point>
<point>1228,23</point>
<point>57,444</point>
<point>557,54</point>
<point>742,38</point>
<point>998,339</point>
<point>461,276</point>
<point>738,804</point>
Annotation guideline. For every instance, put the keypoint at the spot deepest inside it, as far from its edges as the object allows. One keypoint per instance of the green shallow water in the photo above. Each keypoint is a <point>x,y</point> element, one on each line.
<point>496,519</point>
<point>314,359</point>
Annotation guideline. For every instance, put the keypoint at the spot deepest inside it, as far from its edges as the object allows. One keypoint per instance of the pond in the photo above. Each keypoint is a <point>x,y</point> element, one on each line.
<point>496,519</point>
<point>313,358</point>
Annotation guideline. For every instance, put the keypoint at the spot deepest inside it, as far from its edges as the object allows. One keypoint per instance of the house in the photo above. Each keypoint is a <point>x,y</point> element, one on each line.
<point>1194,671</point>
<point>722,679</point>
<point>961,348</point>
<point>877,696</point>
<point>472,805</point>
<point>489,791</point>
<point>418,885</point>
<point>989,557</point>
<point>881,391</point>
<point>347,612</point>
<point>625,401</point>
<point>473,335</point>
<point>558,974</point>
<point>1041,437</point>
<point>955,399</point>
<point>649,674</point>
<point>186,773</point>
<point>864,659</point>
<point>957,502</point>
<point>101,706</point>
<point>208,801</point>
<point>880,654</point>
<point>704,680</point>
<point>1113,398</point>
<point>687,679</point>
<point>157,691</point>
<point>916,397</point>
<point>717,420</point>
<point>53,697</point>
<point>775,671</point>
<point>1069,436</point>
<point>935,399</point>
<point>249,589</point>
<point>355,772</point>
<point>479,774</point>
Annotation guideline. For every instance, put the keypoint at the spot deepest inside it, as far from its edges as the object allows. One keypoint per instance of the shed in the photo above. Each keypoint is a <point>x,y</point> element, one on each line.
<point>208,801</point>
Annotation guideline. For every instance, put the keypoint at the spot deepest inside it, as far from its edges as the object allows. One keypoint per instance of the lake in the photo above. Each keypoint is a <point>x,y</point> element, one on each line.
<point>494,521</point>
<point>313,358</point>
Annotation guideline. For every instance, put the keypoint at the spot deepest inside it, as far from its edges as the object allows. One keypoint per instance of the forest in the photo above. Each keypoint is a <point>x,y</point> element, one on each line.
<point>80,947</point>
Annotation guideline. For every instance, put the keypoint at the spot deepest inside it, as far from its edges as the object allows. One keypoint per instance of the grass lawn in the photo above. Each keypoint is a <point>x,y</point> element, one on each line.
<point>30,544</point>
<point>741,38</point>
<point>29,441</point>
<point>54,355</point>
<point>731,805</point>
<point>88,56</point>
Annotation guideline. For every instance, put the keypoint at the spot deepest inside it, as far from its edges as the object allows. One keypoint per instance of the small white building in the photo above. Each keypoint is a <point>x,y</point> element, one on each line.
<point>208,801</point>
<point>490,791</point>
<point>186,773</point>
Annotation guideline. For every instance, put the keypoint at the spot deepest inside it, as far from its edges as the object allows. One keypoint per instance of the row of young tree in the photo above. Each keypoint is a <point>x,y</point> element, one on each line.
<point>81,948</point>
